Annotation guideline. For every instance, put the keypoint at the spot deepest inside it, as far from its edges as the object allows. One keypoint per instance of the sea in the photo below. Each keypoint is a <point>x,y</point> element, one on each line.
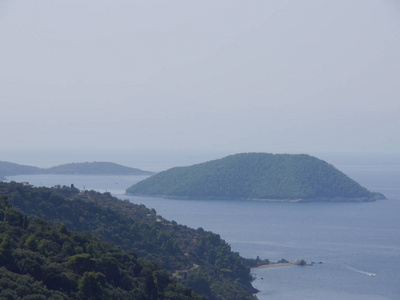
<point>355,247</point>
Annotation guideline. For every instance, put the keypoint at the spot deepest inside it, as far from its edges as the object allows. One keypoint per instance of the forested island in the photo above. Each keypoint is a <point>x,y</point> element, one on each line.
<point>9,169</point>
<point>259,176</point>
<point>86,168</point>
<point>100,247</point>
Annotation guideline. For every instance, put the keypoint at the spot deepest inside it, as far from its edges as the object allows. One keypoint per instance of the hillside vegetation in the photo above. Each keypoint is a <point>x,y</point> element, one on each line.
<point>88,168</point>
<point>198,259</point>
<point>39,260</point>
<point>256,176</point>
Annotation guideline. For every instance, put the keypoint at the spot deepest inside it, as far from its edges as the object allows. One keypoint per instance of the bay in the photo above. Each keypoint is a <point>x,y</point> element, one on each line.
<point>352,240</point>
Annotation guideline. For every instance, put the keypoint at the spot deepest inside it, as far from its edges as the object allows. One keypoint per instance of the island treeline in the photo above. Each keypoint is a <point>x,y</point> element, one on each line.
<point>197,259</point>
<point>256,176</point>
<point>89,168</point>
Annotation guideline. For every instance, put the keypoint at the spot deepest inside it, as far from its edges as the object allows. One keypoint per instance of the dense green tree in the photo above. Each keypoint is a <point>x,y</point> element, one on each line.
<point>91,286</point>
<point>81,263</point>
<point>6,251</point>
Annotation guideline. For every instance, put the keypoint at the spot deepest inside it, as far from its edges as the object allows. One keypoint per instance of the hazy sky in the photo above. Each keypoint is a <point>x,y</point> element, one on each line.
<point>199,76</point>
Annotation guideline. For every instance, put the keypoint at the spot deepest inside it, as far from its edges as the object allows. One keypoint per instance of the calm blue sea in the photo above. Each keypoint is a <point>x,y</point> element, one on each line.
<point>352,240</point>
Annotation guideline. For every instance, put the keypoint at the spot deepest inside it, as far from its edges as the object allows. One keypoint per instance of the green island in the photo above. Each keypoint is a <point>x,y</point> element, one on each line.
<point>257,176</point>
<point>86,168</point>
<point>100,247</point>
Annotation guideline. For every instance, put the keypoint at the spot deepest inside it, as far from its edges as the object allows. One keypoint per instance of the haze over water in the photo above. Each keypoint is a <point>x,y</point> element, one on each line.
<point>157,84</point>
<point>82,77</point>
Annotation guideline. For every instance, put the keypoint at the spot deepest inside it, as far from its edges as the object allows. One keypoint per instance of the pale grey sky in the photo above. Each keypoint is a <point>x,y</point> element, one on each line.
<point>199,76</point>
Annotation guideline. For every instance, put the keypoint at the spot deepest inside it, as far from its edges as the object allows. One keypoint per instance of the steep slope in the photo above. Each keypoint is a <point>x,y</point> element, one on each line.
<point>256,176</point>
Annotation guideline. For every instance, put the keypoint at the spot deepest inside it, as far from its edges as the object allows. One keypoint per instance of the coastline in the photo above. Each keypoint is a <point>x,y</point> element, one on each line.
<point>275,265</point>
<point>373,198</point>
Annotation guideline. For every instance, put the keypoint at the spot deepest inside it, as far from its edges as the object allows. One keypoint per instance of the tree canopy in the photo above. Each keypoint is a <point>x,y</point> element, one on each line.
<point>197,259</point>
<point>39,260</point>
<point>256,176</point>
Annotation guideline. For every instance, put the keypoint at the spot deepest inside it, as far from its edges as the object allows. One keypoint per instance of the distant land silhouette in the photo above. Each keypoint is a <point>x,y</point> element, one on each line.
<point>89,168</point>
<point>257,176</point>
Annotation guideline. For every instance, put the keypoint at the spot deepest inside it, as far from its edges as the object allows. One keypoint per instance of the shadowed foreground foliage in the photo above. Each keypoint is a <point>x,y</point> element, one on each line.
<point>198,259</point>
<point>39,260</point>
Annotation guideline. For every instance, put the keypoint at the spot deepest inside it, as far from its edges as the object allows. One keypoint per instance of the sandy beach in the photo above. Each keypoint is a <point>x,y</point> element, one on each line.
<point>275,265</point>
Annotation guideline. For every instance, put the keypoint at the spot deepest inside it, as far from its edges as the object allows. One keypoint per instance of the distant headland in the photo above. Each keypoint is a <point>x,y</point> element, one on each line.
<point>86,168</point>
<point>257,176</point>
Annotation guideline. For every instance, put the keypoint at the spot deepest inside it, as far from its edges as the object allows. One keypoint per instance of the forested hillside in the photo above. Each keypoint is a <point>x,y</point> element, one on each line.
<point>39,260</point>
<point>256,176</point>
<point>197,259</point>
